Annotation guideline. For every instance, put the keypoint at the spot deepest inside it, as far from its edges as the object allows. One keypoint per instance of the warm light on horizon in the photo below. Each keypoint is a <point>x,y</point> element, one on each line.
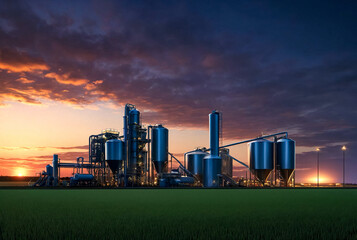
<point>20,172</point>
<point>344,148</point>
<point>322,179</point>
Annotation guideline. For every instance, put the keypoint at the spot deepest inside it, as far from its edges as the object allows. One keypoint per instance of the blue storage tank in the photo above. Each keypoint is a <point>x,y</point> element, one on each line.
<point>134,116</point>
<point>212,166</point>
<point>261,158</point>
<point>285,156</point>
<point>195,163</point>
<point>160,148</point>
<point>114,154</point>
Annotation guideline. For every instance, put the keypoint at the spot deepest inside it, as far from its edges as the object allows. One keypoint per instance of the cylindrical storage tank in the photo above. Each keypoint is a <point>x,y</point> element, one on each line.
<point>285,156</point>
<point>49,170</point>
<point>83,177</point>
<point>114,154</point>
<point>134,117</point>
<point>261,158</point>
<point>55,169</point>
<point>195,163</point>
<point>211,170</point>
<point>214,133</point>
<point>160,148</point>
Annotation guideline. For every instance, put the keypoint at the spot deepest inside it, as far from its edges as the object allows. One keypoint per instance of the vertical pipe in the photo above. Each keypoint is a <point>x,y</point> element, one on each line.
<point>125,131</point>
<point>148,156</point>
<point>275,159</point>
<point>246,178</point>
<point>55,169</point>
<point>214,133</point>
<point>343,155</point>
<point>318,169</point>
<point>59,169</point>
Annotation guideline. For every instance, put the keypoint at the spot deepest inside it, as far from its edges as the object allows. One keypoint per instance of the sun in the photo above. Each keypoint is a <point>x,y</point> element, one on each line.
<point>20,172</point>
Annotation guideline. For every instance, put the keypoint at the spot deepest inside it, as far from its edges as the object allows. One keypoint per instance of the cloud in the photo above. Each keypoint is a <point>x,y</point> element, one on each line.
<point>24,80</point>
<point>15,61</point>
<point>67,79</point>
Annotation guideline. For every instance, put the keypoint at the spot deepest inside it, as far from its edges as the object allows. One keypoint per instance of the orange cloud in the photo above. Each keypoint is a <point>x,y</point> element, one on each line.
<point>91,86</point>
<point>16,61</point>
<point>24,80</point>
<point>67,79</point>
<point>23,67</point>
<point>32,92</point>
<point>19,98</point>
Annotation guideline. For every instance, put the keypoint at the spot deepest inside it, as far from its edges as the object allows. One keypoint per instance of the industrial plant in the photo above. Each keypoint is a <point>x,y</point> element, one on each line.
<point>140,157</point>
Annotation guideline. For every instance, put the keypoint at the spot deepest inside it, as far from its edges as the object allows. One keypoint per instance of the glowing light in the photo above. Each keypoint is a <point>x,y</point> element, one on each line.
<point>318,149</point>
<point>322,179</point>
<point>344,148</point>
<point>20,172</point>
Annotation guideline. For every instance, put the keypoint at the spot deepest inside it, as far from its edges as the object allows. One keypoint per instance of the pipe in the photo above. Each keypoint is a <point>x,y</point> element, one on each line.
<point>149,156</point>
<point>125,132</point>
<point>251,140</point>
<point>242,163</point>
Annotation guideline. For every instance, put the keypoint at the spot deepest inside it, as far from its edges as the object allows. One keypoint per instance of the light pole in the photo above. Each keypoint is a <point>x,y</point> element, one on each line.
<point>318,167</point>
<point>343,159</point>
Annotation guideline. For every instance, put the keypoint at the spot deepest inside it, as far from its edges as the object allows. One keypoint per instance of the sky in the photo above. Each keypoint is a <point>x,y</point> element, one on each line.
<point>67,68</point>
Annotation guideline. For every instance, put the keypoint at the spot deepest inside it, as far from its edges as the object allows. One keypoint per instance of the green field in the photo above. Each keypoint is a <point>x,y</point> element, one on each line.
<point>179,214</point>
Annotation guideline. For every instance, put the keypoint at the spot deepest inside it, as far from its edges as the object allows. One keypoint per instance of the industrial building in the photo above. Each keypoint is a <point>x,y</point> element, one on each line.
<point>140,158</point>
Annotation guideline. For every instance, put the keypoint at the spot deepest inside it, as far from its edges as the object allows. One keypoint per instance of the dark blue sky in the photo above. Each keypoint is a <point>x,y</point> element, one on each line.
<point>267,65</point>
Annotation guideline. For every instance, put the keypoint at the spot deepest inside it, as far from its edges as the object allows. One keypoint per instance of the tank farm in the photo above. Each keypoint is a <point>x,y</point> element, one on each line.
<point>140,157</point>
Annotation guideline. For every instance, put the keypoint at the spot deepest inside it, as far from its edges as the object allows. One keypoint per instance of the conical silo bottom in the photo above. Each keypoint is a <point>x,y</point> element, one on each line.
<point>160,166</point>
<point>114,165</point>
<point>286,174</point>
<point>262,174</point>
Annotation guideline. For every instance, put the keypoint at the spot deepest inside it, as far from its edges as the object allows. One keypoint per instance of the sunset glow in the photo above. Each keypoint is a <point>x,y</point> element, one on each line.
<point>20,172</point>
<point>322,179</point>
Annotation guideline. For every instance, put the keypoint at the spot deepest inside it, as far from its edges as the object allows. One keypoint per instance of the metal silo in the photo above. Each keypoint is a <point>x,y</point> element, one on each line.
<point>114,154</point>
<point>212,164</point>
<point>261,158</point>
<point>195,163</point>
<point>286,158</point>
<point>211,170</point>
<point>160,148</point>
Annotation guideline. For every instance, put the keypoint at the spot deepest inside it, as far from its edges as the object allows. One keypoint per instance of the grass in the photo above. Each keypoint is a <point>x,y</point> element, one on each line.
<point>179,214</point>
